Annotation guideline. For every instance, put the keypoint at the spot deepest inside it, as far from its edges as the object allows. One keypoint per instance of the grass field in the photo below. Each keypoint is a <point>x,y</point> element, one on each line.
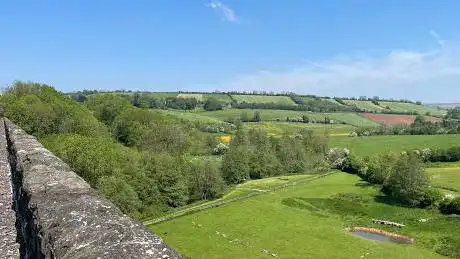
<point>446,176</point>
<point>305,221</point>
<point>272,115</point>
<point>279,128</point>
<point>411,107</point>
<point>286,100</point>
<point>162,95</point>
<point>363,146</point>
<point>365,105</point>
<point>193,117</point>
<point>221,97</point>
<point>331,100</point>
<point>307,98</point>
<point>198,97</point>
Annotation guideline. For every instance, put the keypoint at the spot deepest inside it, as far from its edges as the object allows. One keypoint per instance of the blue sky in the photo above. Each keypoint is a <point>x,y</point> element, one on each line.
<point>401,49</point>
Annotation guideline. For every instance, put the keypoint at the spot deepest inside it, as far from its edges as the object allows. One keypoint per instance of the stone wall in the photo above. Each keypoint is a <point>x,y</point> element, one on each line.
<point>58,215</point>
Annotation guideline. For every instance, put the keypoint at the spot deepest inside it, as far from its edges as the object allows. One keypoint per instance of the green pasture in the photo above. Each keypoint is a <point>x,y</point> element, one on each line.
<point>331,100</point>
<point>308,220</point>
<point>279,128</point>
<point>365,105</point>
<point>364,146</point>
<point>285,100</point>
<point>220,97</point>
<point>447,177</point>
<point>411,107</point>
<point>198,97</point>
<point>281,115</point>
<point>193,117</point>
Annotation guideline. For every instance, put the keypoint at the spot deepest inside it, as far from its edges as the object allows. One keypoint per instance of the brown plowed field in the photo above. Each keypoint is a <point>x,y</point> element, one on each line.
<point>395,119</point>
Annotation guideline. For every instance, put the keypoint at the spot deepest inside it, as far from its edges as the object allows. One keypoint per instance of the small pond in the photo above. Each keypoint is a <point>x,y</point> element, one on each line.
<point>378,237</point>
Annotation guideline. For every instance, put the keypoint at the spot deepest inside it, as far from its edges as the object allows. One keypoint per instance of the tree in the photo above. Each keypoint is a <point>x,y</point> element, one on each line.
<point>244,117</point>
<point>256,117</point>
<point>205,181</point>
<point>263,161</point>
<point>235,165</point>
<point>408,180</point>
<point>305,119</point>
<point>107,107</point>
<point>212,104</point>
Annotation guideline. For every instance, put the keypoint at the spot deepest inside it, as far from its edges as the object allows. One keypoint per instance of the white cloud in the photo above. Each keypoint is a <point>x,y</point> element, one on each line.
<point>225,11</point>
<point>399,73</point>
<point>435,35</point>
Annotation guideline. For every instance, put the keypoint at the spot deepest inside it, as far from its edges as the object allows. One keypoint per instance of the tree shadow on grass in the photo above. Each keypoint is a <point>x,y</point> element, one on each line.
<point>388,200</point>
<point>363,184</point>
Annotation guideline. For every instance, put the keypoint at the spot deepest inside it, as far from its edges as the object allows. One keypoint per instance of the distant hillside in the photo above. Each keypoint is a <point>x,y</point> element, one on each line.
<point>443,105</point>
<point>273,101</point>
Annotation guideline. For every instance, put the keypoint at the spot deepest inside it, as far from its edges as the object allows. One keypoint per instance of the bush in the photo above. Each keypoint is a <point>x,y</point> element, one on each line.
<point>337,157</point>
<point>451,206</point>
<point>432,198</point>
<point>220,149</point>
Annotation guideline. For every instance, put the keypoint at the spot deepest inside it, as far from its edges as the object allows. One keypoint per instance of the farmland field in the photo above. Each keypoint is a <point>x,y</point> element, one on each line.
<point>446,176</point>
<point>363,146</point>
<point>285,100</point>
<point>395,119</point>
<point>303,222</point>
<point>411,107</point>
<point>279,128</point>
<point>220,97</point>
<point>273,115</point>
<point>198,97</point>
<point>365,105</point>
<point>331,100</point>
<point>306,98</point>
<point>193,117</point>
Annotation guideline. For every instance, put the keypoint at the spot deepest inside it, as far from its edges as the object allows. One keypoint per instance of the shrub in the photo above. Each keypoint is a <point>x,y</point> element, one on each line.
<point>451,206</point>
<point>432,198</point>
<point>337,157</point>
<point>220,149</point>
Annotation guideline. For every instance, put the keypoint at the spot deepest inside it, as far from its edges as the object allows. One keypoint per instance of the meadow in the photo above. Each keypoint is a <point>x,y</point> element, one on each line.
<point>306,221</point>
<point>279,128</point>
<point>364,105</point>
<point>411,107</point>
<point>445,176</point>
<point>281,115</point>
<point>363,146</point>
<point>284,100</point>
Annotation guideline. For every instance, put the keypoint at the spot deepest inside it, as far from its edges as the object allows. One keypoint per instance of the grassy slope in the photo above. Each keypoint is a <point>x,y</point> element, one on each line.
<point>410,107</point>
<point>371,145</point>
<point>221,97</point>
<point>193,117</point>
<point>272,115</point>
<point>264,99</point>
<point>332,101</point>
<point>446,177</point>
<point>278,128</point>
<point>365,105</point>
<point>265,223</point>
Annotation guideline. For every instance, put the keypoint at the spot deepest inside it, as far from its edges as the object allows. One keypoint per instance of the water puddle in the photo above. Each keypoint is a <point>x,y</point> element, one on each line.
<point>383,237</point>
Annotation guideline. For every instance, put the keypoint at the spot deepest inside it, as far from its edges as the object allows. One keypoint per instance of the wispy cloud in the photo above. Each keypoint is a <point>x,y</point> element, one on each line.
<point>225,11</point>
<point>435,35</point>
<point>399,73</point>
